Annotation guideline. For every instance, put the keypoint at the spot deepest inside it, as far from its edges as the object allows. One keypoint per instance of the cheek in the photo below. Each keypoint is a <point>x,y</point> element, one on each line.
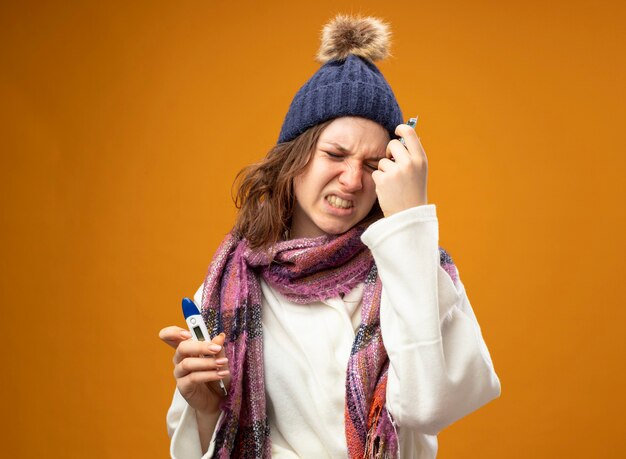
<point>369,187</point>
<point>303,187</point>
<point>302,181</point>
<point>372,197</point>
<point>317,179</point>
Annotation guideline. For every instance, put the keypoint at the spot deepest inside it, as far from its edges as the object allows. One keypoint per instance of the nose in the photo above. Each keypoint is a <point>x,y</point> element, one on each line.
<point>351,178</point>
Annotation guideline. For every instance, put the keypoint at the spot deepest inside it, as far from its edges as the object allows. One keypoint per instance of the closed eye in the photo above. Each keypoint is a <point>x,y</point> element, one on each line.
<point>370,165</point>
<point>334,155</point>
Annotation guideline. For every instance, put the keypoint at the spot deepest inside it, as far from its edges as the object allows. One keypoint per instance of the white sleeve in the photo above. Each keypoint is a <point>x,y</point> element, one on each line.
<point>440,369</point>
<point>182,426</point>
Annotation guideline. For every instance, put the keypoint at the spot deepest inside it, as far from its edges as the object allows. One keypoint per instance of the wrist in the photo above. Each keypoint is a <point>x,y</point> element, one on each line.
<point>208,414</point>
<point>206,422</point>
<point>212,407</point>
<point>390,212</point>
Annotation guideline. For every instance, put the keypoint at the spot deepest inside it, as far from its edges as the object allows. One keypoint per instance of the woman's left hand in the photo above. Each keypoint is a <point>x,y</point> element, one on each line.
<point>401,182</point>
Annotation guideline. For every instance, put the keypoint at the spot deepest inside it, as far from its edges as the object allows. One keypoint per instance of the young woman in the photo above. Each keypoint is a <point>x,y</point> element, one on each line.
<point>342,329</point>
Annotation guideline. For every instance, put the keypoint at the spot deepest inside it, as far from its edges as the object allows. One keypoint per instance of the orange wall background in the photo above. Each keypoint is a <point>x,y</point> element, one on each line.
<point>124,123</point>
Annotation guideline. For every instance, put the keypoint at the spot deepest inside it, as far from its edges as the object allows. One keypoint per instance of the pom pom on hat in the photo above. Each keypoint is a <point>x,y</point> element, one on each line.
<point>366,37</point>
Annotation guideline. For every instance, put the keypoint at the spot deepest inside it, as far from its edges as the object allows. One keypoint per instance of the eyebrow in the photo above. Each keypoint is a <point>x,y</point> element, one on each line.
<point>344,150</point>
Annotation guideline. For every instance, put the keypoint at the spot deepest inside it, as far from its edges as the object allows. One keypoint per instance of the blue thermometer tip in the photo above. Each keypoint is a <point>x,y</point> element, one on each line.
<point>189,308</point>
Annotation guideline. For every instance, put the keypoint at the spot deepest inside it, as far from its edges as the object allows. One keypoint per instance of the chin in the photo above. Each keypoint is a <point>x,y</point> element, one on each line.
<point>336,228</point>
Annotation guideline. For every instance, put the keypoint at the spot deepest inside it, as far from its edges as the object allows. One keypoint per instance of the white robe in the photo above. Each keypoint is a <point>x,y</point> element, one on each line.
<point>440,367</point>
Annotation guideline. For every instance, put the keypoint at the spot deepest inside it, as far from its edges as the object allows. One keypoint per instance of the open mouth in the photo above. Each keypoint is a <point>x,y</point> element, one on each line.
<point>337,202</point>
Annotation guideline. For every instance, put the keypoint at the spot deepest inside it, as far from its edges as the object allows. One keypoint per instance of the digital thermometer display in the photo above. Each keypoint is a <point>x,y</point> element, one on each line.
<point>198,332</point>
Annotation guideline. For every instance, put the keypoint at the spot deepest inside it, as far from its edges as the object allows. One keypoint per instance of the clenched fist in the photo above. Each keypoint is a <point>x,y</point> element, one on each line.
<point>401,176</point>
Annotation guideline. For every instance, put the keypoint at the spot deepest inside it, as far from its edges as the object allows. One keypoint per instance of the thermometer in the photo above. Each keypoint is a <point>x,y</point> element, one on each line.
<point>412,122</point>
<point>198,329</point>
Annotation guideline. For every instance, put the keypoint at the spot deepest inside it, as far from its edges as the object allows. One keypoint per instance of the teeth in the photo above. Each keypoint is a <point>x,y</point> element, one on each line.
<point>336,201</point>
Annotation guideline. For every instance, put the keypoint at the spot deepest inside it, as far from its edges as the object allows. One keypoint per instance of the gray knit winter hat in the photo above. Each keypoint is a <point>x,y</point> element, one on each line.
<point>348,83</point>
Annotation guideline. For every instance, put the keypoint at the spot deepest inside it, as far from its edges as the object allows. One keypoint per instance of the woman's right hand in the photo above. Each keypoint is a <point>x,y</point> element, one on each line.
<point>197,377</point>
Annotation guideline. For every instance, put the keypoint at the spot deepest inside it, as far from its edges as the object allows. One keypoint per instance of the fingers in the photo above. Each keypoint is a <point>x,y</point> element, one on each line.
<point>385,165</point>
<point>411,140</point>
<point>173,335</point>
<point>192,348</point>
<point>201,364</point>
<point>190,370</point>
<point>411,153</point>
<point>219,340</point>
<point>198,377</point>
<point>402,176</point>
<point>397,152</point>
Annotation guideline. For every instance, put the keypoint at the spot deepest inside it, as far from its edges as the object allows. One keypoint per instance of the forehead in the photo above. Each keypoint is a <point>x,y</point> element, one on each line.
<point>356,135</point>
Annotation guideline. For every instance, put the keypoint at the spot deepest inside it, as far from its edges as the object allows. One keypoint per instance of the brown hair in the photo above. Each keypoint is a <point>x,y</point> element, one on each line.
<point>265,195</point>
